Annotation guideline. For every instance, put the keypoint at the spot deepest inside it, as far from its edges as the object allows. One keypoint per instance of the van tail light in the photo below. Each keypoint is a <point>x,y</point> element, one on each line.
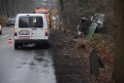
<point>46,32</point>
<point>15,32</point>
<point>0,27</point>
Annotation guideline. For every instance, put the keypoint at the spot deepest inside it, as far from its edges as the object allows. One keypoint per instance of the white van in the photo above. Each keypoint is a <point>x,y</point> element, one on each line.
<point>30,28</point>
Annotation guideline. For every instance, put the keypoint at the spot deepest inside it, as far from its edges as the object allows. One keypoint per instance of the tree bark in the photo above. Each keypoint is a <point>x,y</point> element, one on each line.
<point>118,73</point>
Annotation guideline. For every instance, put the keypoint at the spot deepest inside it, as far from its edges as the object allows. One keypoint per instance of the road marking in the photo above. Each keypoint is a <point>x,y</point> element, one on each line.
<point>5,36</point>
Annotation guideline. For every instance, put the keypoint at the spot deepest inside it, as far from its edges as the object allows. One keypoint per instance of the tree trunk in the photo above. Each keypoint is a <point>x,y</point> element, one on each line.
<point>118,73</point>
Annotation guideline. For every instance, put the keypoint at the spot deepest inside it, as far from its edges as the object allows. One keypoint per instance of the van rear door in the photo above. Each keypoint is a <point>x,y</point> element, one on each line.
<point>24,30</point>
<point>31,27</point>
<point>38,27</point>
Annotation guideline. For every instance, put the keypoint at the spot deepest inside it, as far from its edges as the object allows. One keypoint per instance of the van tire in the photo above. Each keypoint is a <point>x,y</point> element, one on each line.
<point>0,32</point>
<point>47,45</point>
<point>16,45</point>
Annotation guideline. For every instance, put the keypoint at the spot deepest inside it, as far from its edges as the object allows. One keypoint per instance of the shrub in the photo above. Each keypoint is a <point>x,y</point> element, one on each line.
<point>3,20</point>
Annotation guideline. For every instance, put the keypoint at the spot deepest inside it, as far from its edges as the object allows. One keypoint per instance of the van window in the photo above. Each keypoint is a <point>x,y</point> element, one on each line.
<point>28,22</point>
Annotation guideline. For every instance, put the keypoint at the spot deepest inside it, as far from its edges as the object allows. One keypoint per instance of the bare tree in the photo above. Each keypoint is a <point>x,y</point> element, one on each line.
<point>10,8</point>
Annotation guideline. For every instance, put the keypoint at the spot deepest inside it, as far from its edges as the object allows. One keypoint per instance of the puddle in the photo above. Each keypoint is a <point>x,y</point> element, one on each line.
<point>39,58</point>
<point>34,68</point>
<point>32,63</point>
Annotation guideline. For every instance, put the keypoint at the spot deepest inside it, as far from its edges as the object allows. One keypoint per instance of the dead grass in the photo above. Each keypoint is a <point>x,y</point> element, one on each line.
<point>72,62</point>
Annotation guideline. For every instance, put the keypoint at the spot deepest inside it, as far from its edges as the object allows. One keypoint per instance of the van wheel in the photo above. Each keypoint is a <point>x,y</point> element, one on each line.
<point>8,25</point>
<point>16,46</point>
<point>47,45</point>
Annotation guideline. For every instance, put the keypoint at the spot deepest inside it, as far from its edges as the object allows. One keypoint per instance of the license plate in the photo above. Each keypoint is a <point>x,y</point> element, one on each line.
<point>24,32</point>
<point>24,37</point>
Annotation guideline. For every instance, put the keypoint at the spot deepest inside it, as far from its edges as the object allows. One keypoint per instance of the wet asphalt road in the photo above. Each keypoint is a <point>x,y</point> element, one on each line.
<point>27,65</point>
